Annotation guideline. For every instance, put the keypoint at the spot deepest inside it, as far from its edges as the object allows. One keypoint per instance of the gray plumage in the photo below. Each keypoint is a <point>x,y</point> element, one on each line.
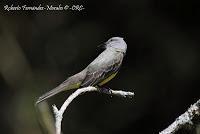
<point>106,64</point>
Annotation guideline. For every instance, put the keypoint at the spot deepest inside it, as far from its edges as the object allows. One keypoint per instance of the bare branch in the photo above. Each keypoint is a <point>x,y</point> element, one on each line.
<point>59,113</point>
<point>184,119</point>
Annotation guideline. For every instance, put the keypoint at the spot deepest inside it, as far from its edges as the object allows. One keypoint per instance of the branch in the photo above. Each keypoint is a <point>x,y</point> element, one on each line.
<point>184,119</point>
<point>59,113</point>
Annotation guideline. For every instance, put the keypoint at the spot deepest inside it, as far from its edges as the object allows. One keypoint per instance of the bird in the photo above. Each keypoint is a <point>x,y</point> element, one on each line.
<point>100,71</point>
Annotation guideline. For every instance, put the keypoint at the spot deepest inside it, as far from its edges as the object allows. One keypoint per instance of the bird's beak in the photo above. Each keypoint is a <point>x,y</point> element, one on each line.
<point>102,45</point>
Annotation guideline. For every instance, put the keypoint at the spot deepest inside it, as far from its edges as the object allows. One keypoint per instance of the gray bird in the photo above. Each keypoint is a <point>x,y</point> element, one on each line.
<point>98,72</point>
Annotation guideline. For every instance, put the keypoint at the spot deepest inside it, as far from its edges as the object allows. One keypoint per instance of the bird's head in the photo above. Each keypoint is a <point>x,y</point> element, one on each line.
<point>116,43</point>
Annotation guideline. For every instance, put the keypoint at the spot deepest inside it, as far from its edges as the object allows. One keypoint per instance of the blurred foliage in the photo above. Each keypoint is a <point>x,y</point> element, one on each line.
<point>40,49</point>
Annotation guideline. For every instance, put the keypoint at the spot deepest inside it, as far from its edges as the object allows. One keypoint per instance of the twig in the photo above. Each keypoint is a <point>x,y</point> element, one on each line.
<point>184,119</point>
<point>59,113</point>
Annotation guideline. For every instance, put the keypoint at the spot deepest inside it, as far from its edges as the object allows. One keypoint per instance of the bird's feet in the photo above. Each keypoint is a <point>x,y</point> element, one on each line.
<point>106,90</point>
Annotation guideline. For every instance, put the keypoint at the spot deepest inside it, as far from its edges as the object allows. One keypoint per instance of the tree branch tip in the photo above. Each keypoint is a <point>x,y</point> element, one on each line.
<point>55,109</point>
<point>131,93</point>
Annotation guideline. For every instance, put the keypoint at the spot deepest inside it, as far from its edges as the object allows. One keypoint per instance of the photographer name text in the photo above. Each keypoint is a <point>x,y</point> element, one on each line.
<point>40,7</point>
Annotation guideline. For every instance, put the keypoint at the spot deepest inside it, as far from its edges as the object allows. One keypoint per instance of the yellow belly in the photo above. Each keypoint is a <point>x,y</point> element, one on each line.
<point>73,86</point>
<point>107,79</point>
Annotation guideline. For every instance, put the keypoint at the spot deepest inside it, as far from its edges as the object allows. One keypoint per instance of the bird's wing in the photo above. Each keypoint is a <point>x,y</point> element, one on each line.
<point>100,71</point>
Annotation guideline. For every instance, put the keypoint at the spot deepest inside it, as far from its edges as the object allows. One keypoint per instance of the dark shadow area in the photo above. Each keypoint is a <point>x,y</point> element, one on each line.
<point>40,49</point>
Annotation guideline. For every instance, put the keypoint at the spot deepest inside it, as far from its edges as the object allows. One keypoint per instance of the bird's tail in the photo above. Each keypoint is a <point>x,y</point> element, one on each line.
<point>72,82</point>
<point>52,92</point>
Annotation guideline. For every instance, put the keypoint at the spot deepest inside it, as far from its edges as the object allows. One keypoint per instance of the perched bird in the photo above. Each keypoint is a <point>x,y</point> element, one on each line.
<point>98,72</point>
